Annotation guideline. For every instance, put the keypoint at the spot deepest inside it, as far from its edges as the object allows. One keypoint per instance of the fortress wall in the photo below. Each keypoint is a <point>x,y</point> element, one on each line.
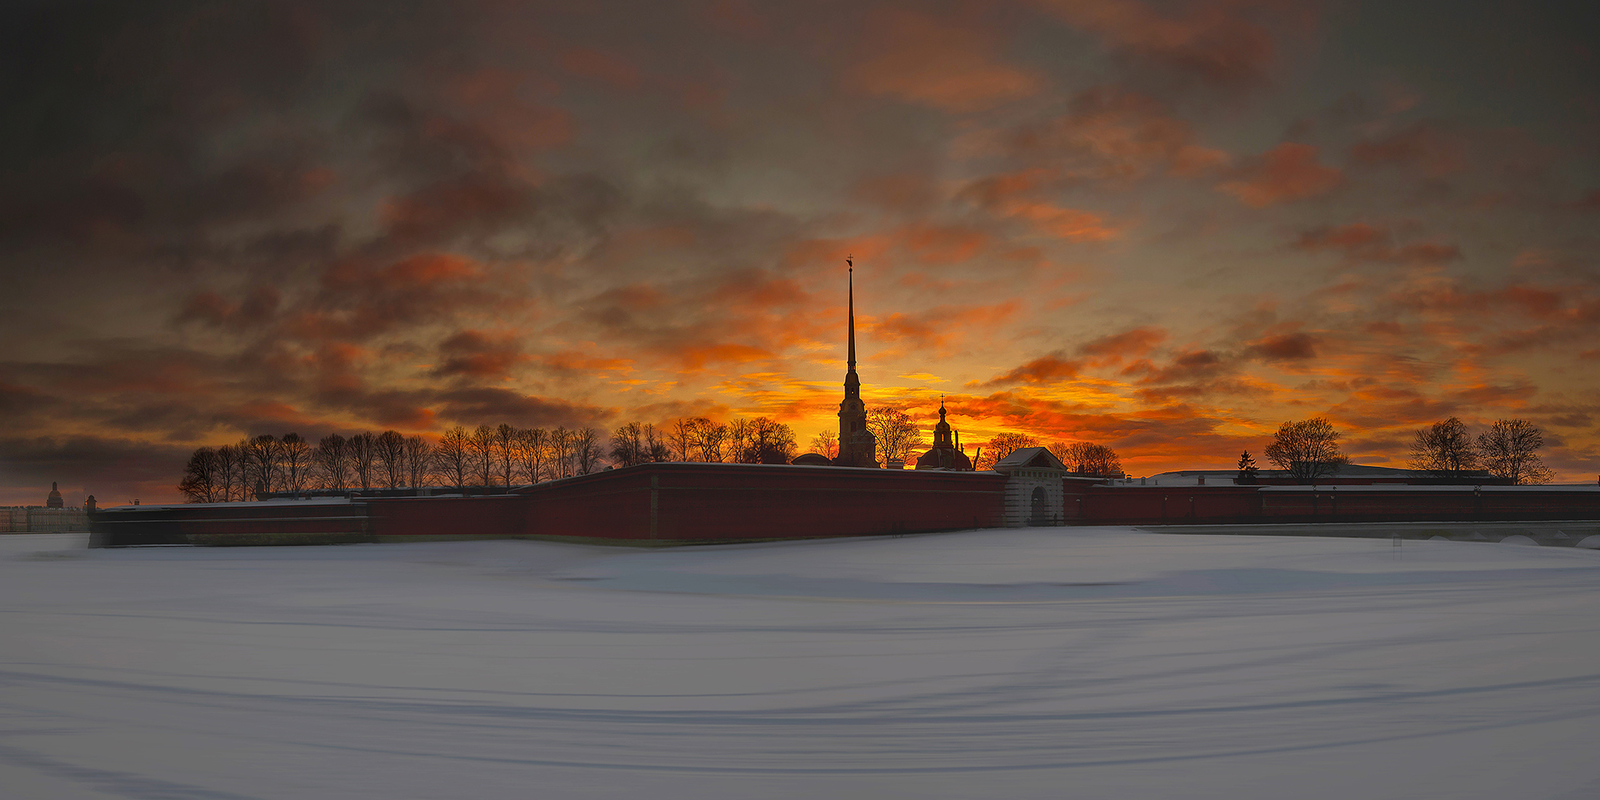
<point>1156,505</point>
<point>678,503</point>
<point>305,522</point>
<point>423,518</point>
<point>653,504</point>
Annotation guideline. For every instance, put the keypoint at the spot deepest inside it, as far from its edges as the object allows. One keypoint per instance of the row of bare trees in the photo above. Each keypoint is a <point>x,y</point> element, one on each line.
<point>1509,449</point>
<point>1309,449</point>
<point>481,456</point>
<point>752,441</point>
<point>507,456</point>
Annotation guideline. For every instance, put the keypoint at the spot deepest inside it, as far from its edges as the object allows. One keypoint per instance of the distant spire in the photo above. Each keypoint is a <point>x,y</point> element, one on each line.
<point>851,362</point>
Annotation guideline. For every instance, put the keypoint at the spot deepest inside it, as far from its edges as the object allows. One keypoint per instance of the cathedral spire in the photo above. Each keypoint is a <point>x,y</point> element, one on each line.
<point>857,447</point>
<point>851,363</point>
<point>852,383</point>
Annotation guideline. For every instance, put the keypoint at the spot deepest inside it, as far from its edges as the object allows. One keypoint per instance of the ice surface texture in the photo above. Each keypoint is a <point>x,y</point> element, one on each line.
<point>1033,663</point>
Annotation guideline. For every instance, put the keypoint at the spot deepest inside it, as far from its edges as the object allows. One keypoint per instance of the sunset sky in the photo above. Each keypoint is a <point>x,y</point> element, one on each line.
<point>1162,227</point>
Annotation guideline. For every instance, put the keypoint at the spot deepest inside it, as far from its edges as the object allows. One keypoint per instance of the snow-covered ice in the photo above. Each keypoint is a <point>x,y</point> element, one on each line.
<point>1035,663</point>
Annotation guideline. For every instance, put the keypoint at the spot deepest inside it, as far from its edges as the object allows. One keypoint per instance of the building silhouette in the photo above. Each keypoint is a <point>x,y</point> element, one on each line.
<point>946,450</point>
<point>857,446</point>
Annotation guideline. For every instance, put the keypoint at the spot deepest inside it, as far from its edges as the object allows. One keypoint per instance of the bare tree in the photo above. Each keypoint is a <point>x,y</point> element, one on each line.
<point>738,443</point>
<point>295,455</point>
<point>710,441</point>
<point>505,456</point>
<point>898,436</point>
<point>655,442</point>
<point>533,448</point>
<point>419,461</point>
<point>480,446</point>
<point>1444,449</point>
<point>332,461</point>
<point>200,479</point>
<point>261,461</point>
<point>1307,449</point>
<point>826,444</point>
<point>680,440</point>
<point>627,445</point>
<point>230,473</point>
<point>363,449</point>
<point>453,456</point>
<point>770,442</point>
<point>586,452</point>
<point>1087,458</point>
<point>1510,450</point>
<point>1003,445</point>
<point>560,452</point>
<point>391,454</point>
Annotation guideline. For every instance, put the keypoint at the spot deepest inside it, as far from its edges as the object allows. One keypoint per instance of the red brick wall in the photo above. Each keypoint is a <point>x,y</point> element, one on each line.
<point>1155,505</point>
<point>731,502</point>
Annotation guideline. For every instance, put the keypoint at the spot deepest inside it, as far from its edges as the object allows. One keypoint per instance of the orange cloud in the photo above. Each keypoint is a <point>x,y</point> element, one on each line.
<point>1286,173</point>
<point>1113,348</point>
<point>948,65</point>
<point>1046,369</point>
<point>1285,347</point>
<point>1012,195</point>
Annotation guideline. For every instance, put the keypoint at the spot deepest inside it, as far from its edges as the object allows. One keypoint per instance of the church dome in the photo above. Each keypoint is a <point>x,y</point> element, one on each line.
<point>54,501</point>
<point>944,454</point>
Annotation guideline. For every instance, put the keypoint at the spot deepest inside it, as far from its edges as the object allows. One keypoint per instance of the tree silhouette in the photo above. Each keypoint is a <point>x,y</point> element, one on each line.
<point>898,435</point>
<point>331,461</point>
<point>1247,469</point>
<point>453,458</point>
<point>826,444</point>
<point>419,461</point>
<point>1510,450</point>
<point>480,446</point>
<point>533,451</point>
<point>294,455</point>
<point>363,448</point>
<point>391,455</point>
<point>1087,458</point>
<point>709,439</point>
<point>1003,445</point>
<point>1307,449</point>
<point>1444,449</point>
<point>200,482</point>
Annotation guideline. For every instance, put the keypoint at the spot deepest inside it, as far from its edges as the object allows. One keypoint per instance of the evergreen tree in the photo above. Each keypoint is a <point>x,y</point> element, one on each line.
<point>1247,469</point>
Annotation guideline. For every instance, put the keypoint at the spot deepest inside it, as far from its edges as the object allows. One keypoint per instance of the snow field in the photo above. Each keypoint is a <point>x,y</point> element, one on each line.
<point>1032,663</point>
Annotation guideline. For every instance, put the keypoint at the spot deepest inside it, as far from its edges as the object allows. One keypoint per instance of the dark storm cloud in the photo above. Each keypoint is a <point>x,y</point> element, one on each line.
<point>487,406</point>
<point>476,354</point>
<point>114,469</point>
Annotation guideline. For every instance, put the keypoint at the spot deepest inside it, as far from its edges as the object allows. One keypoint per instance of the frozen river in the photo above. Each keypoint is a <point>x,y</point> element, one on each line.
<point>1097,663</point>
